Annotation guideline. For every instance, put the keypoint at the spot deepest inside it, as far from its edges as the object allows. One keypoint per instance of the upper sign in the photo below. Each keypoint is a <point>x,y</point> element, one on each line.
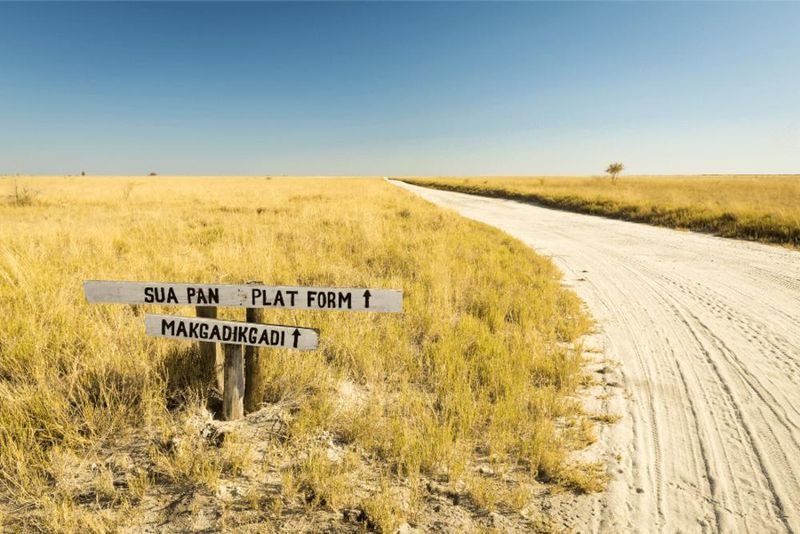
<point>232,332</point>
<point>245,296</point>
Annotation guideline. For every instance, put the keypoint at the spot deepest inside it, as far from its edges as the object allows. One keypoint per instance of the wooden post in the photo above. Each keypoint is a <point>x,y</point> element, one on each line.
<point>253,374</point>
<point>233,395</point>
<point>210,354</point>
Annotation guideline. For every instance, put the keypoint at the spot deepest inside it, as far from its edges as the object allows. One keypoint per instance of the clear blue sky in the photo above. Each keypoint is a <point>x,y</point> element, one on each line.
<point>399,89</point>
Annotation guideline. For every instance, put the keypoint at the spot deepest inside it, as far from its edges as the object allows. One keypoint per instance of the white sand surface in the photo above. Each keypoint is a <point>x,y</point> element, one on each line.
<point>707,334</point>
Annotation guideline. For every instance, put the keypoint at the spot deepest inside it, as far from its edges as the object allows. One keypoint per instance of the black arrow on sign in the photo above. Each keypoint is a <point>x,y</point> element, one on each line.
<point>296,336</point>
<point>367,295</point>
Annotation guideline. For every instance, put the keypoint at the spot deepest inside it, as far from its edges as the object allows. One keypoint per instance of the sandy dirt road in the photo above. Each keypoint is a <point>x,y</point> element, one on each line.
<point>707,332</point>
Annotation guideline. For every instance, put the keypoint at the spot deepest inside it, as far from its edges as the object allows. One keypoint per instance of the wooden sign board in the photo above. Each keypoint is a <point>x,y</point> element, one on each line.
<point>231,332</point>
<point>245,296</point>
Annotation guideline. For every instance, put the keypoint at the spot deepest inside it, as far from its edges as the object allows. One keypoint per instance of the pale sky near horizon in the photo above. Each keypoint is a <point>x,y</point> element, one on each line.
<point>399,88</point>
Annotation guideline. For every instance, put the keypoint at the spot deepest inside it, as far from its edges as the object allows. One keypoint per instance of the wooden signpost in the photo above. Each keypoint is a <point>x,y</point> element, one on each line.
<point>238,377</point>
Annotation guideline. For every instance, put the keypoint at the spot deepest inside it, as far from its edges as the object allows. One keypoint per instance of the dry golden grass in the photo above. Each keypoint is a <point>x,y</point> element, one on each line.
<point>761,208</point>
<point>482,362</point>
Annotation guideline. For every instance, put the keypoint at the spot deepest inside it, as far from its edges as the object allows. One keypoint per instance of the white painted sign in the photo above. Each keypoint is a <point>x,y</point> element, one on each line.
<point>231,332</point>
<point>245,296</point>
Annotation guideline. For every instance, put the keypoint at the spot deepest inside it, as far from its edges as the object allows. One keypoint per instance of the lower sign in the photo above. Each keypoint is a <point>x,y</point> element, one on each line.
<point>232,332</point>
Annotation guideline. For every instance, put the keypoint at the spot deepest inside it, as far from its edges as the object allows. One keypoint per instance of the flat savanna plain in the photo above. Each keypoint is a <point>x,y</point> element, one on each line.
<point>755,207</point>
<point>458,414</point>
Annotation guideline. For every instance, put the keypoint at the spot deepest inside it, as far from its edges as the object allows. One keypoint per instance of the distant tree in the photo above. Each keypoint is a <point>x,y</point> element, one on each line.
<point>83,173</point>
<point>614,169</point>
<point>153,174</point>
